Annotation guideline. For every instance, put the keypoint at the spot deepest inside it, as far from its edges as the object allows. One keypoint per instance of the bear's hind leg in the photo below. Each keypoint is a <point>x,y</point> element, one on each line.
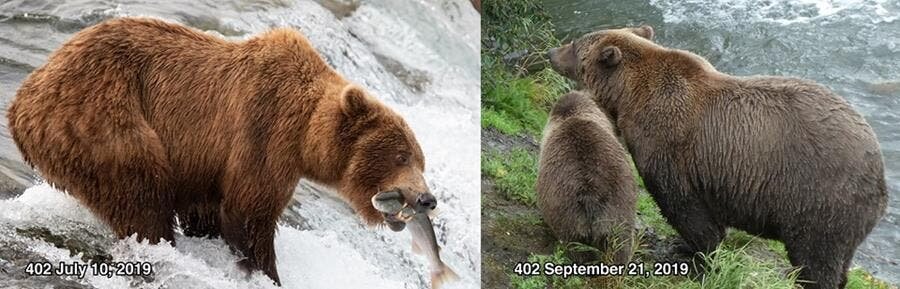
<point>125,181</point>
<point>822,260</point>
<point>150,216</point>
<point>132,197</point>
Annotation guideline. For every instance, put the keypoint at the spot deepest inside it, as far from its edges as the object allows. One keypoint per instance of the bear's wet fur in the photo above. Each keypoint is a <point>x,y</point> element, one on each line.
<point>585,186</point>
<point>143,120</point>
<point>780,157</point>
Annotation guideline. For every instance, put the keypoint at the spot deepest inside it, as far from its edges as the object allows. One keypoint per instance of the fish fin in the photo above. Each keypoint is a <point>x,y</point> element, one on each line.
<point>416,249</point>
<point>443,275</point>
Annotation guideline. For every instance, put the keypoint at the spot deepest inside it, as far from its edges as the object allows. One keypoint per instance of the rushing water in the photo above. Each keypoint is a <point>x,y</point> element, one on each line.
<point>420,57</point>
<point>851,46</point>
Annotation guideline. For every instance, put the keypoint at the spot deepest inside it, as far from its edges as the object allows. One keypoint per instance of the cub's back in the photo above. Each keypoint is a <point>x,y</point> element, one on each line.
<point>584,175</point>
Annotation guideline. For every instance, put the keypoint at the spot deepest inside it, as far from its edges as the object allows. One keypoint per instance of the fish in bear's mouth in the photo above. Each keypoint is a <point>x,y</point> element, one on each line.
<point>392,204</point>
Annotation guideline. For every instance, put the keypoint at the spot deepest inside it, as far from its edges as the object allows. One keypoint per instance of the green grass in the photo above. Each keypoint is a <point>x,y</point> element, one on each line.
<point>858,278</point>
<point>518,104</point>
<point>729,266</point>
<point>542,281</point>
<point>735,268</point>
<point>514,174</point>
<point>514,101</point>
<point>650,216</point>
<point>516,25</point>
<point>501,121</point>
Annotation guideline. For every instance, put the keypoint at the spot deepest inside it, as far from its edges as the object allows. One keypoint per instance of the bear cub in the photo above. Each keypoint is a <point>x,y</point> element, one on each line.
<point>586,191</point>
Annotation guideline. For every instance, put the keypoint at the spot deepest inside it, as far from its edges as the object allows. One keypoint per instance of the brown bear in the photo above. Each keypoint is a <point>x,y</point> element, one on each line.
<point>586,191</point>
<point>143,120</point>
<point>779,157</point>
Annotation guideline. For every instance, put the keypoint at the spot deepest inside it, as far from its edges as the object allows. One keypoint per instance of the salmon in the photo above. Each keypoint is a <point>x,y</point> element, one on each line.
<point>423,239</point>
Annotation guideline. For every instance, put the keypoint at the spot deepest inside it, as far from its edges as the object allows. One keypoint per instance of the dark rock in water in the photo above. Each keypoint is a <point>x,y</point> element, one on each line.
<point>10,188</point>
<point>415,79</point>
<point>340,8</point>
<point>209,23</point>
<point>90,252</point>
<point>15,257</point>
<point>890,88</point>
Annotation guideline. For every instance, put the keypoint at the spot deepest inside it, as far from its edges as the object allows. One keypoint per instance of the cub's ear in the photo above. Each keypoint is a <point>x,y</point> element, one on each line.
<point>354,101</point>
<point>645,31</point>
<point>610,56</point>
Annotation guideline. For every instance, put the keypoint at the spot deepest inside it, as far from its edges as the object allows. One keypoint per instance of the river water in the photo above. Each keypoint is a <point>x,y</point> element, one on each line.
<point>851,46</point>
<point>420,57</point>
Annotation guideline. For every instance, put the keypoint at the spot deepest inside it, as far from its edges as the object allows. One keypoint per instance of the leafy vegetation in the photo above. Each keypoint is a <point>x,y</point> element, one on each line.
<point>514,174</point>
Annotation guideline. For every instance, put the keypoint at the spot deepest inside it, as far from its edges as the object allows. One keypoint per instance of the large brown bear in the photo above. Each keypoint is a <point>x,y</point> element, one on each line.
<point>780,157</point>
<point>143,120</point>
<point>585,188</point>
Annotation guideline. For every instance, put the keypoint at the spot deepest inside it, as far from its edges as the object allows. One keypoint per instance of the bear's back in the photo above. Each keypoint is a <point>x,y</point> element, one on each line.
<point>788,131</point>
<point>584,179</point>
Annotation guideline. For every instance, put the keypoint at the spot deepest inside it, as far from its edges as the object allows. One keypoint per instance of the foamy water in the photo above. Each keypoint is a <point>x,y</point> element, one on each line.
<point>782,12</point>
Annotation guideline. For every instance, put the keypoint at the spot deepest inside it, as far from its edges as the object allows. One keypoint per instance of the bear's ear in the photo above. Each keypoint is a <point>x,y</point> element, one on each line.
<point>354,101</point>
<point>610,56</point>
<point>645,31</point>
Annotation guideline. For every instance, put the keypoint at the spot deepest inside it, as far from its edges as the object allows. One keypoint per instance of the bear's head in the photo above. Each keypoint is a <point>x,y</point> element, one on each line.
<point>571,104</point>
<point>600,61</point>
<point>382,155</point>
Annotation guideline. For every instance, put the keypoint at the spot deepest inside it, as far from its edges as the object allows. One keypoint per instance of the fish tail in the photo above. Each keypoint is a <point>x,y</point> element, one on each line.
<point>442,275</point>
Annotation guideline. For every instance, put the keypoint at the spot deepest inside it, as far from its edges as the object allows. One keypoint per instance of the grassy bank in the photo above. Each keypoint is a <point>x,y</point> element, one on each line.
<point>518,88</point>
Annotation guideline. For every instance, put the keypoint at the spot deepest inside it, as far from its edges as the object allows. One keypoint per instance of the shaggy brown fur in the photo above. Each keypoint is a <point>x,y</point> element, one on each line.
<point>780,157</point>
<point>143,120</point>
<point>585,188</point>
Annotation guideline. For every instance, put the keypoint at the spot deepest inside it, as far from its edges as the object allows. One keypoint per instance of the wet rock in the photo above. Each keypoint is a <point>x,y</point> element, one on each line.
<point>340,8</point>
<point>415,79</point>
<point>90,252</point>
<point>885,88</point>
<point>209,23</point>
<point>15,257</point>
<point>9,188</point>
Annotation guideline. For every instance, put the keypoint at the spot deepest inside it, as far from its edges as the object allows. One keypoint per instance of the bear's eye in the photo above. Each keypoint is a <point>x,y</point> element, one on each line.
<point>402,159</point>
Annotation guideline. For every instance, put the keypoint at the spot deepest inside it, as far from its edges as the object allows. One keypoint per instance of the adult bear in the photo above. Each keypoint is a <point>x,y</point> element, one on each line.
<point>142,120</point>
<point>585,187</point>
<point>780,157</point>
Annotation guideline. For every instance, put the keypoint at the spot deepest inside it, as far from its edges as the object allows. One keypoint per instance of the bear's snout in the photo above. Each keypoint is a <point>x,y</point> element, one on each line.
<point>552,56</point>
<point>563,60</point>
<point>426,201</point>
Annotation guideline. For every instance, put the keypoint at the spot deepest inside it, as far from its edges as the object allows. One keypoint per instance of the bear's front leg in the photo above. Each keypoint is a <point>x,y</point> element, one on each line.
<point>251,233</point>
<point>684,210</point>
<point>249,210</point>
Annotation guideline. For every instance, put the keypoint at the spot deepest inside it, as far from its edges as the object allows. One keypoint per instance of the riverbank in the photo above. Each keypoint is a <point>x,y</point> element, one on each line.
<point>518,88</point>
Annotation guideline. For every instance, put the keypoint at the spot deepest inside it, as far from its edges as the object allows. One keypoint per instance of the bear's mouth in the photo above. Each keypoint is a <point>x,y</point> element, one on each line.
<point>397,209</point>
